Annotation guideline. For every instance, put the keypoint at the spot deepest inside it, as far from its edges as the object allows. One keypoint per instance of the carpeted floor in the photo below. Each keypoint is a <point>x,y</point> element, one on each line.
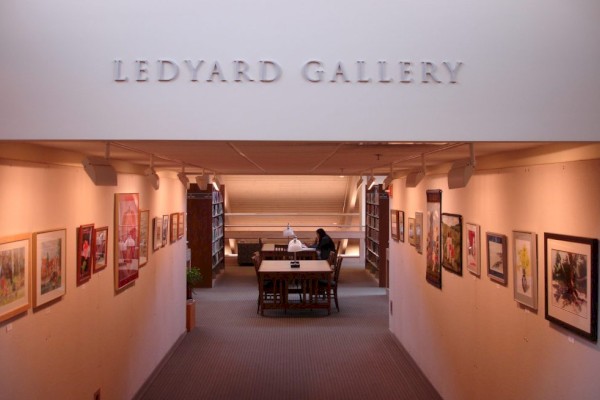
<point>234,353</point>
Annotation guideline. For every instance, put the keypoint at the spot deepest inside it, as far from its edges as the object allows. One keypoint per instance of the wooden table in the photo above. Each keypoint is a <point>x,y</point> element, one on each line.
<point>293,288</point>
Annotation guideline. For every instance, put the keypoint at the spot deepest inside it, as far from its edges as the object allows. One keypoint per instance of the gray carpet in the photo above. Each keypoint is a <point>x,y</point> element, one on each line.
<point>234,353</point>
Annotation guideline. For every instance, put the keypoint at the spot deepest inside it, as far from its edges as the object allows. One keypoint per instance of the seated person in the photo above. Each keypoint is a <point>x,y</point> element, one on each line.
<point>324,244</point>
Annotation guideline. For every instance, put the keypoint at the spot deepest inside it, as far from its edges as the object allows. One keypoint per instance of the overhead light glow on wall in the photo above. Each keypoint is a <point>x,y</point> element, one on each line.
<point>215,183</point>
<point>370,182</point>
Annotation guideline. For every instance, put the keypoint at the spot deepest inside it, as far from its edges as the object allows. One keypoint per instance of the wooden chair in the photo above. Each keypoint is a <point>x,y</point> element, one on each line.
<point>267,284</point>
<point>333,282</point>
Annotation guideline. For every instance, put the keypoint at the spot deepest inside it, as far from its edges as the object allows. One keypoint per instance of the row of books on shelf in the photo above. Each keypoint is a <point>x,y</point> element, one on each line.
<point>373,247</point>
<point>373,222</point>
<point>373,197</point>
<point>217,197</point>
<point>372,259</point>
<point>217,209</point>
<point>217,232</point>
<point>217,246</point>
<point>372,210</point>
<point>217,259</point>
<point>217,221</point>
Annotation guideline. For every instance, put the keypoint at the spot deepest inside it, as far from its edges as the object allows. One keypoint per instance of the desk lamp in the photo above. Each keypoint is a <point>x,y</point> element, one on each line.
<point>288,232</point>
<point>294,246</point>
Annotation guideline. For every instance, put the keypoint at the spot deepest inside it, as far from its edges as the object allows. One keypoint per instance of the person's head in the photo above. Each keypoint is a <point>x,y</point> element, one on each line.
<point>321,232</point>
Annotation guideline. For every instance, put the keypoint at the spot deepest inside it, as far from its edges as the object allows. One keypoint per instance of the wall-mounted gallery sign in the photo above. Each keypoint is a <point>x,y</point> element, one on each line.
<point>266,71</point>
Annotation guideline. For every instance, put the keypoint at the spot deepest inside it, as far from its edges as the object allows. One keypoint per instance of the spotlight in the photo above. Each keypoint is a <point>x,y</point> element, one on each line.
<point>100,171</point>
<point>414,177</point>
<point>183,177</point>
<point>460,173</point>
<point>202,182</point>
<point>153,178</point>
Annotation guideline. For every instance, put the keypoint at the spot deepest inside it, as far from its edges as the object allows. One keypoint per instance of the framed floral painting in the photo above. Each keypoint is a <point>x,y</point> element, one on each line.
<point>525,268</point>
<point>571,283</point>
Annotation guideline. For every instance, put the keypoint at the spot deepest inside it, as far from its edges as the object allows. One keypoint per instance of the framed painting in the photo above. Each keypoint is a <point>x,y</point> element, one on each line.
<point>50,266</point>
<point>411,231</point>
<point>156,233</point>
<point>452,243</point>
<point>433,253</point>
<point>394,226</point>
<point>571,283</point>
<point>497,257</point>
<point>525,268</point>
<point>85,261</point>
<point>14,275</point>
<point>127,239</point>
<point>100,252</point>
<point>401,225</point>
<point>144,223</point>
<point>165,230</point>
<point>473,248</point>
<point>180,225</point>
<point>174,227</point>
<point>419,231</point>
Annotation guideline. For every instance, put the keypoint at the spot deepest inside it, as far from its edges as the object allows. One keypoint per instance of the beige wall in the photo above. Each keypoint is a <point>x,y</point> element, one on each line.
<point>92,338</point>
<point>471,338</point>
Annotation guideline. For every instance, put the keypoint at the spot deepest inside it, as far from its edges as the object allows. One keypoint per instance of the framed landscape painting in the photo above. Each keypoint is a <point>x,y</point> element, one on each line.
<point>127,239</point>
<point>85,261</point>
<point>394,226</point>
<point>144,223</point>
<point>433,253</point>
<point>525,268</point>
<point>14,275</point>
<point>157,233</point>
<point>473,248</point>
<point>571,283</point>
<point>50,261</point>
<point>452,243</point>
<point>497,257</point>
<point>100,248</point>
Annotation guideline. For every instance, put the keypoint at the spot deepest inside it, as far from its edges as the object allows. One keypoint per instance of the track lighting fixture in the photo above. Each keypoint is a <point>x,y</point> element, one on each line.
<point>183,177</point>
<point>100,170</point>
<point>152,176</point>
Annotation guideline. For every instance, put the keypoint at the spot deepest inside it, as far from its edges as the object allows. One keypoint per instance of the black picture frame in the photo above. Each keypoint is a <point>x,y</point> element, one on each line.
<point>571,283</point>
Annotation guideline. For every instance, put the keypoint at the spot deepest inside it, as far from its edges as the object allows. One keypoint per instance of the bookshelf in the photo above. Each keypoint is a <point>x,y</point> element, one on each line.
<point>377,232</point>
<point>205,231</point>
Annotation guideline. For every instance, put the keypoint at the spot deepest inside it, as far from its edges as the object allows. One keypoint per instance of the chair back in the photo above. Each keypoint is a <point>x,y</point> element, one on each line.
<point>337,268</point>
<point>332,258</point>
<point>256,262</point>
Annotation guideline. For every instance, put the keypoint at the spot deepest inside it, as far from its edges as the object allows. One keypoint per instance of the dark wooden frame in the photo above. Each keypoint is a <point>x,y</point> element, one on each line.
<point>452,257</point>
<point>554,276</point>
<point>126,239</point>
<point>394,224</point>
<point>85,253</point>
<point>433,271</point>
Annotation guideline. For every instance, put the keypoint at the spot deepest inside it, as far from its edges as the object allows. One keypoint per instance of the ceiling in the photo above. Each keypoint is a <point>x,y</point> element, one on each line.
<point>284,157</point>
